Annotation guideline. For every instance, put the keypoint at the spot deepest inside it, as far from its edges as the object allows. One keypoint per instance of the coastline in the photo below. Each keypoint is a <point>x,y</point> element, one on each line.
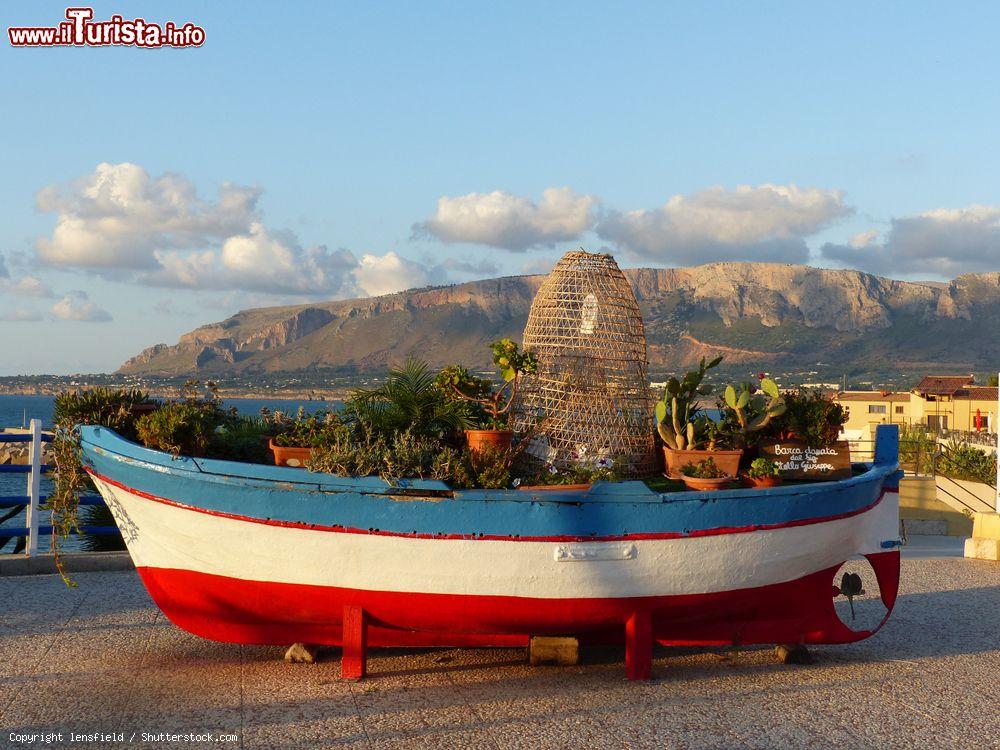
<point>281,394</point>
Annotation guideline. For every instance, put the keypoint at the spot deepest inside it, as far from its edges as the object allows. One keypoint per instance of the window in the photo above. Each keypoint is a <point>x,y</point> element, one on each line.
<point>899,409</point>
<point>876,408</point>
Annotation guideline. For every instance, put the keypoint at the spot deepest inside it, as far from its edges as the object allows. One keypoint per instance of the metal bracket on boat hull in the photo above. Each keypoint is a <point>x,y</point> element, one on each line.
<point>593,551</point>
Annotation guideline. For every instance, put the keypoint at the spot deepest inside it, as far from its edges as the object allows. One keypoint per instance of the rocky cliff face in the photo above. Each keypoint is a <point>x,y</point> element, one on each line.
<point>752,312</point>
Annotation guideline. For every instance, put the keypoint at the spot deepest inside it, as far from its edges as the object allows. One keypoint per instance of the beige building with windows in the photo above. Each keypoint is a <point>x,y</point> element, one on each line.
<point>938,402</point>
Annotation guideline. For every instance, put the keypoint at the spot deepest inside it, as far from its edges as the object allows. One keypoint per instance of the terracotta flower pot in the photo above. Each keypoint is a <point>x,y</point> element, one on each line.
<point>286,455</point>
<point>771,481</point>
<point>727,461</point>
<point>696,483</point>
<point>480,439</point>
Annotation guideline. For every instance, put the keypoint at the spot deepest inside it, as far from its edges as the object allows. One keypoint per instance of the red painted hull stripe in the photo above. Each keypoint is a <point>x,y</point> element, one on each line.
<point>240,611</point>
<point>498,537</point>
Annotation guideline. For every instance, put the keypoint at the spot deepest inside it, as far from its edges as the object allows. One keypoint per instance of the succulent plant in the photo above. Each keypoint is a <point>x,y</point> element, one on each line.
<point>753,411</point>
<point>677,418</point>
<point>761,468</point>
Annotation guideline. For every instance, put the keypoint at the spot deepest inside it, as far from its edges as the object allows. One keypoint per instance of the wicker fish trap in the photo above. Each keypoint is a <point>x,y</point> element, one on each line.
<point>590,399</point>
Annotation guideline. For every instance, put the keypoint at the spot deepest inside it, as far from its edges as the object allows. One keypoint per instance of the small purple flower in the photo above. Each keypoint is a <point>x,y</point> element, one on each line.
<point>516,483</point>
<point>553,469</point>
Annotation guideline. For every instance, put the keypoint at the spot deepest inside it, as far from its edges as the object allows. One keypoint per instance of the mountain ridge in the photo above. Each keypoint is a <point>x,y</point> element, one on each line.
<point>756,313</point>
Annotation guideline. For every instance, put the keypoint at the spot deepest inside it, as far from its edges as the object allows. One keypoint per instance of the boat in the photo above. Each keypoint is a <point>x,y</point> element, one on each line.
<point>255,554</point>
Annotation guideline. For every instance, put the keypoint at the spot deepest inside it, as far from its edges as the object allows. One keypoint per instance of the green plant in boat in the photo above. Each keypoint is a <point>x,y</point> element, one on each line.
<point>761,468</point>
<point>118,409</point>
<point>409,399</point>
<point>706,469</point>
<point>748,409</point>
<point>491,405</point>
<point>678,420</point>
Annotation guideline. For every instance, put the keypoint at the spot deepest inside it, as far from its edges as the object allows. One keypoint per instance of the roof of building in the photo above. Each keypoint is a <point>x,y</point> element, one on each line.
<point>872,396</point>
<point>978,393</point>
<point>943,385</point>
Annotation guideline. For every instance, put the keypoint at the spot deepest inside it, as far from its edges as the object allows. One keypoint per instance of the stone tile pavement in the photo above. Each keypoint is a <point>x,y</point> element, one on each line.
<point>100,658</point>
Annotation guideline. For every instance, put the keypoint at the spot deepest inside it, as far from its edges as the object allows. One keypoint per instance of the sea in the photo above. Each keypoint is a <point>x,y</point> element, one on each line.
<point>18,411</point>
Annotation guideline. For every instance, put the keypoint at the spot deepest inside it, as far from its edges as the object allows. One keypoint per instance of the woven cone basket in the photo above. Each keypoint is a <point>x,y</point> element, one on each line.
<point>590,398</point>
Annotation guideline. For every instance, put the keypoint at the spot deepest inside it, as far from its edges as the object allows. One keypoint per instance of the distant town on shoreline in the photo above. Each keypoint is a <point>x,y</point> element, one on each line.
<point>324,385</point>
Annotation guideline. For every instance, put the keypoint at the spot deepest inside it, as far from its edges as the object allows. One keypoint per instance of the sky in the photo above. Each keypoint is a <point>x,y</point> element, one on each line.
<point>316,151</point>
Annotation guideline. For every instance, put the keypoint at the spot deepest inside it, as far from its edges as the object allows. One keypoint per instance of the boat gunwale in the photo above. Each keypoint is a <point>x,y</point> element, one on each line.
<point>107,442</point>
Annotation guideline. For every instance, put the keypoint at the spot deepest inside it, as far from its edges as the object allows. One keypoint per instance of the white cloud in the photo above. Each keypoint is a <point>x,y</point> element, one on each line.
<point>260,261</point>
<point>763,223</point>
<point>122,223</point>
<point>20,315</point>
<point>170,307</point>
<point>943,242</point>
<point>482,268</point>
<point>275,264</point>
<point>26,286</point>
<point>76,306</point>
<point>384,274</point>
<point>864,239</point>
<point>538,266</point>
<point>119,217</point>
<point>512,222</point>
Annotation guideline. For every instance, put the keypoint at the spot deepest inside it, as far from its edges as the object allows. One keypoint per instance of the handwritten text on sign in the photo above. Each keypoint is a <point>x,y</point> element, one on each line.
<point>799,461</point>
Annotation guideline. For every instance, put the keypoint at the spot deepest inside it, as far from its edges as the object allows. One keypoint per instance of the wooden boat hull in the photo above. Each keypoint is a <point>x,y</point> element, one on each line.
<point>271,555</point>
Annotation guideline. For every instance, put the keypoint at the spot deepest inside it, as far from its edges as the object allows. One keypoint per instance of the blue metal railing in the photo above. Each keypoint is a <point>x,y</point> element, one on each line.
<point>13,533</point>
<point>33,501</point>
<point>13,501</point>
<point>23,437</point>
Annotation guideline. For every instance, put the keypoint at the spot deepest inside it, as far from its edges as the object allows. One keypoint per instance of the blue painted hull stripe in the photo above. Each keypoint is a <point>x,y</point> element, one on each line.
<point>476,537</point>
<point>285,498</point>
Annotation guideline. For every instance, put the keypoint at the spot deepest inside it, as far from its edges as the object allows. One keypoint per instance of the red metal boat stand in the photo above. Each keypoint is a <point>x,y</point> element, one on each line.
<point>639,646</point>
<point>353,661</point>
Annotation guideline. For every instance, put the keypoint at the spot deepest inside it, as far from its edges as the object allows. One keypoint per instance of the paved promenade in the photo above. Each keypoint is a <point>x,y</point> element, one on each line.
<point>101,658</point>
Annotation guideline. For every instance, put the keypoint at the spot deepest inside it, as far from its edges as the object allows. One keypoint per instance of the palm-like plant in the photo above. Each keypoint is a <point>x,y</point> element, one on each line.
<point>409,399</point>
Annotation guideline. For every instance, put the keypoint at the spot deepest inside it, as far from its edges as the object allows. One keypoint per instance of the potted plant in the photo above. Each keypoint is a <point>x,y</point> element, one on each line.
<point>410,398</point>
<point>764,472</point>
<point>810,417</point>
<point>550,478</point>
<point>492,403</point>
<point>747,409</point>
<point>805,439</point>
<point>688,435</point>
<point>297,437</point>
<point>705,475</point>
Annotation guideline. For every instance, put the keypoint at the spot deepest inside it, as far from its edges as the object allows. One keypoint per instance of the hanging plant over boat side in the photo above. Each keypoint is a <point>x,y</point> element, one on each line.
<point>117,409</point>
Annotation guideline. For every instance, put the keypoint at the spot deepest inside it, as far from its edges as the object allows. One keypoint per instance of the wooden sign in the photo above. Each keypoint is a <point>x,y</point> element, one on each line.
<point>798,461</point>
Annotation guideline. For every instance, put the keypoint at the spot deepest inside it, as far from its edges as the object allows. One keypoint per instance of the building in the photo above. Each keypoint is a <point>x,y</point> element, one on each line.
<point>937,402</point>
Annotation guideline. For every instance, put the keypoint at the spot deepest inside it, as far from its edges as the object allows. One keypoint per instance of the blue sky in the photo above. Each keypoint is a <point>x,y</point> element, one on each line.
<point>327,150</point>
